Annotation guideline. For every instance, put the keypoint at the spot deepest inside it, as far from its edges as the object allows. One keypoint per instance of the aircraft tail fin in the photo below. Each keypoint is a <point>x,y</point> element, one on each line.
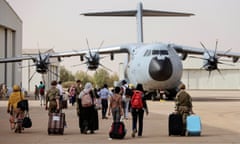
<point>138,13</point>
<point>132,13</point>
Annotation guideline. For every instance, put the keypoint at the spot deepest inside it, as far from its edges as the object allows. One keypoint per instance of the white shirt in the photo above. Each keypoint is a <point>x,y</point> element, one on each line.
<point>60,89</point>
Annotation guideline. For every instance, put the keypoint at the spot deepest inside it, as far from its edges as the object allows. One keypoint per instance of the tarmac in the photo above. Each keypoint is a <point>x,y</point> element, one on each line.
<point>219,112</point>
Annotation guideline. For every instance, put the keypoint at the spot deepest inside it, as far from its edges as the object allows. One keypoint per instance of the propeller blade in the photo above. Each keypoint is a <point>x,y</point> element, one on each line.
<point>216,48</point>
<point>198,57</point>
<point>54,73</point>
<point>79,64</point>
<point>219,71</point>
<point>100,45</point>
<point>227,51</point>
<point>88,48</point>
<point>209,74</point>
<point>106,67</point>
<point>226,64</point>
<point>205,49</point>
<point>32,76</point>
<point>27,66</point>
<point>46,57</point>
<point>40,56</point>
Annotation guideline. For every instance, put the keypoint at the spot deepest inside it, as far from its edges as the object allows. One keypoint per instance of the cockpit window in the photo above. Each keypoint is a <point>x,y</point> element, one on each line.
<point>147,53</point>
<point>159,52</point>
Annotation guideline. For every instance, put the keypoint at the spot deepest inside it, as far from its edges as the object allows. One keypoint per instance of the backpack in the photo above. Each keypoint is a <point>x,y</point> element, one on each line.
<point>86,100</point>
<point>41,91</point>
<point>136,101</point>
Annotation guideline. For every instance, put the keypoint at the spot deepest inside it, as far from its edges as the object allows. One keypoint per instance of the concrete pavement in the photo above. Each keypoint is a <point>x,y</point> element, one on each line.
<point>219,111</point>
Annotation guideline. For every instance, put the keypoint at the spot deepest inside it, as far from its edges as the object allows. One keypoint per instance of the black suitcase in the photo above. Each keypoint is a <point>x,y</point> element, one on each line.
<point>117,130</point>
<point>175,125</point>
<point>56,123</point>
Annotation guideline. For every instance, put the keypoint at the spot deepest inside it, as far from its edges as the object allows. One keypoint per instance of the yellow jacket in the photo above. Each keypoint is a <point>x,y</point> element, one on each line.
<point>15,97</point>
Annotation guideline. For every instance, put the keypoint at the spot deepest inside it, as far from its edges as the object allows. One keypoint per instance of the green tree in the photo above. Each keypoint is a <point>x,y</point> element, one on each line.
<point>112,79</point>
<point>65,75</point>
<point>84,77</point>
<point>101,77</point>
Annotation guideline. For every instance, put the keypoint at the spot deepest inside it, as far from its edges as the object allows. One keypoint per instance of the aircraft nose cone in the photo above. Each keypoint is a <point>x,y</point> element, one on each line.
<point>160,69</point>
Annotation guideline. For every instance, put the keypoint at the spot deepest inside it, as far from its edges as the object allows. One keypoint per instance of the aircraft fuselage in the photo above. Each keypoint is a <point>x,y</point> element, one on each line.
<point>156,66</point>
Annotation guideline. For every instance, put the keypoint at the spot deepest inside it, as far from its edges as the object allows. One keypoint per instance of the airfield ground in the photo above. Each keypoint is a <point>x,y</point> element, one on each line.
<point>219,112</point>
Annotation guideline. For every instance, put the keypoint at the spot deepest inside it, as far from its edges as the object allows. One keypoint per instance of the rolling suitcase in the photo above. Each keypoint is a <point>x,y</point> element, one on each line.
<point>56,123</point>
<point>175,125</point>
<point>117,130</point>
<point>193,125</point>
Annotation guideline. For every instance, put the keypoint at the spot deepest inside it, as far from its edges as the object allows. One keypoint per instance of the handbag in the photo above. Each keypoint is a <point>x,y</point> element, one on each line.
<point>27,122</point>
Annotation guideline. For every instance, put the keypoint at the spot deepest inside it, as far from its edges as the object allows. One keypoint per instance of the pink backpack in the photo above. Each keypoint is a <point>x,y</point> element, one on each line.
<point>86,100</point>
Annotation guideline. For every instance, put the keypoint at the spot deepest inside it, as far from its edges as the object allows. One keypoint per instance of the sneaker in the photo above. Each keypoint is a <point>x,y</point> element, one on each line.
<point>133,133</point>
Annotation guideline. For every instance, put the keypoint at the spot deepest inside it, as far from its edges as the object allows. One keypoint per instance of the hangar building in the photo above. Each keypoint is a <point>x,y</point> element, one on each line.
<point>10,43</point>
<point>196,78</point>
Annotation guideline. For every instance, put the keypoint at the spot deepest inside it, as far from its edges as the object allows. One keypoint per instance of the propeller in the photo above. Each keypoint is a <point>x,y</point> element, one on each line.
<point>93,58</point>
<point>211,59</point>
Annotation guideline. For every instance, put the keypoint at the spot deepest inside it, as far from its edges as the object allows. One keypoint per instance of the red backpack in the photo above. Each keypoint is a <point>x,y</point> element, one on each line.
<point>136,101</point>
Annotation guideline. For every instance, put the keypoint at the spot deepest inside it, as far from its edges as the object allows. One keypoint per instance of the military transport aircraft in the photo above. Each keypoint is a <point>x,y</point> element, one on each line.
<point>158,65</point>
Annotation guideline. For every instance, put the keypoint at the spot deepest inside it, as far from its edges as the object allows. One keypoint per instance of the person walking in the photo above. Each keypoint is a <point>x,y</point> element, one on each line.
<point>183,106</point>
<point>116,105</point>
<point>138,106</point>
<point>41,88</point>
<point>59,86</point>
<point>52,98</point>
<point>16,114</point>
<point>88,118</point>
<point>72,94</point>
<point>104,94</point>
<point>36,92</point>
<point>125,98</point>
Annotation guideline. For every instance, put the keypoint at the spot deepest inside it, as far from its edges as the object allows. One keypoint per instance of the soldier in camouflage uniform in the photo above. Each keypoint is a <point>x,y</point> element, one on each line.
<point>52,97</point>
<point>183,106</point>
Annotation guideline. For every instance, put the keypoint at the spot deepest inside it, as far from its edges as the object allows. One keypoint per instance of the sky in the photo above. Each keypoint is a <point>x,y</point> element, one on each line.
<point>58,24</point>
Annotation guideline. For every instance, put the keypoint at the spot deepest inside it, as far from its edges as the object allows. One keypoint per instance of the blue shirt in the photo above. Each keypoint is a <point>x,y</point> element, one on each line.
<point>104,93</point>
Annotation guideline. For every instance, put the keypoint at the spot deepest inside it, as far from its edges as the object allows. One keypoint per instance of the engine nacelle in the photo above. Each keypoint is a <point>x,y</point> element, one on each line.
<point>112,56</point>
<point>235,59</point>
<point>183,56</point>
<point>81,58</point>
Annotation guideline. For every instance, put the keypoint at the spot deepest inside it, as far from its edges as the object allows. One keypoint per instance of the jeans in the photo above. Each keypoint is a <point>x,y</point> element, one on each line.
<point>116,114</point>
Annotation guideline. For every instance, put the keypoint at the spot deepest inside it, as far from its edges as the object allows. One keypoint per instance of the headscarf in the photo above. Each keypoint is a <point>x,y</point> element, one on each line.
<point>16,88</point>
<point>87,89</point>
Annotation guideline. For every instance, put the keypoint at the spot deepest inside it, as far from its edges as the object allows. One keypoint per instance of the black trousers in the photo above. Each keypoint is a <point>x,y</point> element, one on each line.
<point>104,107</point>
<point>137,116</point>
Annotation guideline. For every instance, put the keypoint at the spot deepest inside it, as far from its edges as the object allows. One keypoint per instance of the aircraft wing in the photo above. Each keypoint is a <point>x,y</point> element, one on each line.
<point>200,51</point>
<point>15,59</point>
<point>106,50</point>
